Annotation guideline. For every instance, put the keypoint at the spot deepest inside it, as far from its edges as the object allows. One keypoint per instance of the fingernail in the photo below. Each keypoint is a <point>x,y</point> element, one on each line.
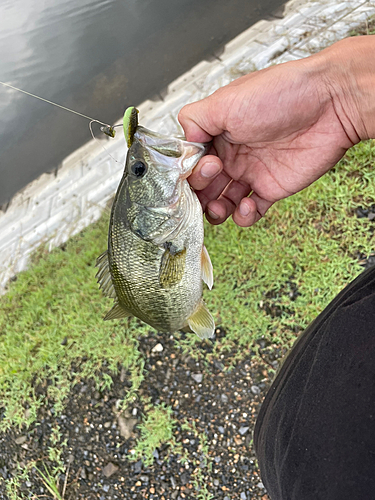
<point>244,209</point>
<point>209,170</point>
<point>212,215</point>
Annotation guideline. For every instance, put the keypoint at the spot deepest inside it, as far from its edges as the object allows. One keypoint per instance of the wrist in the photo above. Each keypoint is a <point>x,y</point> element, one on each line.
<point>347,69</point>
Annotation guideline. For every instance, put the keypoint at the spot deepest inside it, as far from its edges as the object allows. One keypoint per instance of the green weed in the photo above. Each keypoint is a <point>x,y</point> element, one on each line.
<point>52,333</point>
<point>270,281</point>
<point>156,429</point>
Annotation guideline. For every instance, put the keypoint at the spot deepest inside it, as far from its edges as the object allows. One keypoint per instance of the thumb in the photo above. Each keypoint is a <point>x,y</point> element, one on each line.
<point>201,120</point>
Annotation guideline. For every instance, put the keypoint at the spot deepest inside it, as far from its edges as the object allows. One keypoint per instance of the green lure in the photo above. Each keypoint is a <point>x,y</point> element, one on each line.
<point>130,123</point>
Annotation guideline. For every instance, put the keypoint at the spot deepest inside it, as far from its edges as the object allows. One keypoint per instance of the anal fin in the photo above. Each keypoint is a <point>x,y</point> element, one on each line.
<point>201,322</point>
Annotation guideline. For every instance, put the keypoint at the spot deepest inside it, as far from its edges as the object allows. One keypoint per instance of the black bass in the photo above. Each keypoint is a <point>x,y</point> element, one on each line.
<point>156,259</point>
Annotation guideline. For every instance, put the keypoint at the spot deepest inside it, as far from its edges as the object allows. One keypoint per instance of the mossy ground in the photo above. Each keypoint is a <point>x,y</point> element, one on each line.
<point>270,281</point>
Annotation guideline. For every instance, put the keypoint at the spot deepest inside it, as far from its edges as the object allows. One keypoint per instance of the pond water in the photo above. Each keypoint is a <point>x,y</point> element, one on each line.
<point>96,57</point>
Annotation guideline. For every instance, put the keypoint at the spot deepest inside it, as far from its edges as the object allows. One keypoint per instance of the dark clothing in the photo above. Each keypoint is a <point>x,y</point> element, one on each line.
<point>315,433</point>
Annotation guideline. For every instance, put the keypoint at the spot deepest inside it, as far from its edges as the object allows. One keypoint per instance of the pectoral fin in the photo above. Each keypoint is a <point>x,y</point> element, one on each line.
<point>172,267</point>
<point>207,270</point>
<point>116,312</point>
<point>201,322</point>
<point>104,276</point>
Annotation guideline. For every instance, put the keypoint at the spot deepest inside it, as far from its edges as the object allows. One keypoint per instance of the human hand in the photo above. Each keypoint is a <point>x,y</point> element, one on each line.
<point>274,132</point>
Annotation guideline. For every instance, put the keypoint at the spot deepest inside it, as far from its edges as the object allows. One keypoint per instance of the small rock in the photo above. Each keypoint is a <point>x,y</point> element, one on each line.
<point>219,365</point>
<point>28,484</point>
<point>110,469</point>
<point>71,459</point>
<point>184,478</point>
<point>198,377</point>
<point>155,454</point>
<point>260,485</point>
<point>138,467</point>
<point>243,496</point>
<point>216,482</point>
<point>243,430</point>
<point>173,482</point>
<point>144,479</point>
<point>20,440</point>
<point>126,426</point>
<point>362,212</point>
<point>106,488</point>
<point>157,348</point>
<point>83,473</point>
<point>255,389</point>
<point>221,429</point>
<point>224,398</point>
<point>107,425</point>
<point>217,459</point>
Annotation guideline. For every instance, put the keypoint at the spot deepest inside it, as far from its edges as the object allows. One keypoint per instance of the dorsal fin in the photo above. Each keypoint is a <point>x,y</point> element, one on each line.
<point>201,322</point>
<point>207,270</point>
<point>116,312</point>
<point>104,276</point>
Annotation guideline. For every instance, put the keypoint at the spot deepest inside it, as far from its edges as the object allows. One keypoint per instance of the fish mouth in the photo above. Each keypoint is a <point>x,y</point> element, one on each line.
<point>173,146</point>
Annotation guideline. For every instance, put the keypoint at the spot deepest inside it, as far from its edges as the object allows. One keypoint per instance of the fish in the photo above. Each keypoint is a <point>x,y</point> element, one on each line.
<point>156,260</point>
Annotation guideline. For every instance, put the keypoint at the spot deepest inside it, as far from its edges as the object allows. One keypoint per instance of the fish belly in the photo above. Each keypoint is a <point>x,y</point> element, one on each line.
<point>135,268</point>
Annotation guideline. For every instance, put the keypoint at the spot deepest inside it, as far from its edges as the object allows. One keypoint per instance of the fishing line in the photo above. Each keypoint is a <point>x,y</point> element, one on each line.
<point>55,104</point>
<point>106,129</point>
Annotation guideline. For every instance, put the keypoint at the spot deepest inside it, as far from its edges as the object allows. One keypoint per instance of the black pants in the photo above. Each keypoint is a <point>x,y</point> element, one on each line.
<point>315,433</point>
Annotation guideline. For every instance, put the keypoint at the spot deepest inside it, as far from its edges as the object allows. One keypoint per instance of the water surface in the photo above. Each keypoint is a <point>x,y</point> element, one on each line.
<point>97,57</point>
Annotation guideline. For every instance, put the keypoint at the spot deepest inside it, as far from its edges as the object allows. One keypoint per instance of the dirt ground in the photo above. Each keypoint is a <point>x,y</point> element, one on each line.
<point>221,404</point>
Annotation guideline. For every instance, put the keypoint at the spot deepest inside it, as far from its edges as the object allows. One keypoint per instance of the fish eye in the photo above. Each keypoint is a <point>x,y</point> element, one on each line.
<point>138,169</point>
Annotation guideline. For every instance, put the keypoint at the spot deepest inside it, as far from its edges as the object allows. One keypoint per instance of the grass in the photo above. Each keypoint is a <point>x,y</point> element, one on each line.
<point>51,328</point>
<point>52,333</point>
<point>156,429</point>
<point>270,282</point>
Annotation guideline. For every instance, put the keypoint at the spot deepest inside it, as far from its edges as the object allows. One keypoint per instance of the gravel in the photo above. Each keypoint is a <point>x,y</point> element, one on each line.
<point>221,403</point>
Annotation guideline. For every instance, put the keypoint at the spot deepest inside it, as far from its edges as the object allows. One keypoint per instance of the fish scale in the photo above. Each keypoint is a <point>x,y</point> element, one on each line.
<point>156,260</point>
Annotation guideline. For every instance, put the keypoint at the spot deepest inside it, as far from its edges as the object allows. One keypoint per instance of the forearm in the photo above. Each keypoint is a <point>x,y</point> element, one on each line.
<point>348,69</point>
